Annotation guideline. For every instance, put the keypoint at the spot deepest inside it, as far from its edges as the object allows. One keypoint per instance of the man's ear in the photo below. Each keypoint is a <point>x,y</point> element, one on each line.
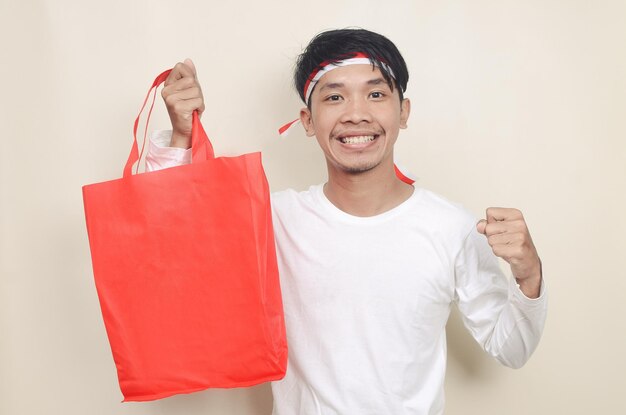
<point>307,122</point>
<point>405,111</point>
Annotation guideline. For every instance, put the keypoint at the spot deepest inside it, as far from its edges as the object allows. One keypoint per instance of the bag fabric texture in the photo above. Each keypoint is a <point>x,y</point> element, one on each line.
<point>185,269</point>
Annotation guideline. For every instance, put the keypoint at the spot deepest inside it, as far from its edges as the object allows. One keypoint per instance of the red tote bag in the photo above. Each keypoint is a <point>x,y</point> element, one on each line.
<point>185,268</point>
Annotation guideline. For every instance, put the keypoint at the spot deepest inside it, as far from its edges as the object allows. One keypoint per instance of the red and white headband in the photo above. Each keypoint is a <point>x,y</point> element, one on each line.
<point>325,67</point>
<point>359,58</point>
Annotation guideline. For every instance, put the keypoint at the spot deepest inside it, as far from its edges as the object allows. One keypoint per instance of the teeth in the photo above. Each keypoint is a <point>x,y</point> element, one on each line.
<point>357,140</point>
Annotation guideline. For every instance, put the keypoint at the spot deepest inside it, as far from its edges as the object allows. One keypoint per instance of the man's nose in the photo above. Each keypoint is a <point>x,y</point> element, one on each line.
<point>356,111</point>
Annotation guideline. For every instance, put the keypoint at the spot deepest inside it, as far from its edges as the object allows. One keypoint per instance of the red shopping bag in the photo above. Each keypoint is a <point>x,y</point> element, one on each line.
<point>185,269</point>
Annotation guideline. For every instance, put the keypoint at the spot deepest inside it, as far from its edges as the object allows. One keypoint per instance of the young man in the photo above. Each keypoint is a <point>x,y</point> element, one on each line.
<point>369,264</point>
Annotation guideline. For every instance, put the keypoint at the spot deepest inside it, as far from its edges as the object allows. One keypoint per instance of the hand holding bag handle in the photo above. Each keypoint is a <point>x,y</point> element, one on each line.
<point>201,148</point>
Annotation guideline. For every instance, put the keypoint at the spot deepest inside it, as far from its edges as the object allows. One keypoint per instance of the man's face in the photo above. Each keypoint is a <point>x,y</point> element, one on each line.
<point>356,118</point>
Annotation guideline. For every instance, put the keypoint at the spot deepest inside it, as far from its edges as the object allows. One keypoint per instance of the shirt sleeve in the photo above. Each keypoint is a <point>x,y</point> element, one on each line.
<point>507,324</point>
<point>161,155</point>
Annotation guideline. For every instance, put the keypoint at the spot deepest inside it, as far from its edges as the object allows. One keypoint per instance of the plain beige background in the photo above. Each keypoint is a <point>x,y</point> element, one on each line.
<point>515,103</point>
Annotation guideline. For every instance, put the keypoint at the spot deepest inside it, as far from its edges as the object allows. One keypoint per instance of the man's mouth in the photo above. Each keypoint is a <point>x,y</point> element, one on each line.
<point>359,139</point>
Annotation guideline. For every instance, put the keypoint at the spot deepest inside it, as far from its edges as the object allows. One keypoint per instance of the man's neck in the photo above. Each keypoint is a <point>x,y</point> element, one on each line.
<point>368,193</point>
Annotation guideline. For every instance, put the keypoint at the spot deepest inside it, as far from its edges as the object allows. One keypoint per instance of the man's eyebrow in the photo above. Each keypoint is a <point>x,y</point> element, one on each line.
<point>376,81</point>
<point>332,85</point>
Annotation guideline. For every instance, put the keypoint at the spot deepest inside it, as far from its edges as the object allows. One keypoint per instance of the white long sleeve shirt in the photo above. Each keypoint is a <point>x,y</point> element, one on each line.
<point>366,300</point>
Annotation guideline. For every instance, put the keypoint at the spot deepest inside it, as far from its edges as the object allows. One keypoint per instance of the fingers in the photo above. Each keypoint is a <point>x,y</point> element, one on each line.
<point>501,220</point>
<point>509,226</point>
<point>191,65</point>
<point>508,232</point>
<point>181,92</point>
<point>183,98</point>
<point>481,226</point>
<point>516,249</point>
<point>183,108</point>
<point>180,71</point>
<point>182,85</point>
<point>505,239</point>
<point>509,246</point>
<point>497,214</point>
<point>504,228</point>
<point>509,238</point>
<point>182,95</point>
<point>181,78</point>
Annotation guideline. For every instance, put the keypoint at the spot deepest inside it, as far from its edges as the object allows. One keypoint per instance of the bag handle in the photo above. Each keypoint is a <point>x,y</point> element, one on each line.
<point>201,148</point>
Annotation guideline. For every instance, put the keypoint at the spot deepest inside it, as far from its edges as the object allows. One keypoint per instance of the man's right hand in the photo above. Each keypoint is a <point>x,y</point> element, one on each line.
<point>182,95</point>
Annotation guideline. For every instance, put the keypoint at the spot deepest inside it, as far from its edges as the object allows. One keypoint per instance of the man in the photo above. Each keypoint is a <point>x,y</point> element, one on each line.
<point>369,264</point>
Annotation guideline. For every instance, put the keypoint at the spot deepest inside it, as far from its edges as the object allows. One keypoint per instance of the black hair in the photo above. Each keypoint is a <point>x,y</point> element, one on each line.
<point>337,45</point>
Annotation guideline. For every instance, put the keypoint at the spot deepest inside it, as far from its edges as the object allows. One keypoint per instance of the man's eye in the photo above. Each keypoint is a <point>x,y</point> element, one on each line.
<point>333,98</point>
<point>377,94</point>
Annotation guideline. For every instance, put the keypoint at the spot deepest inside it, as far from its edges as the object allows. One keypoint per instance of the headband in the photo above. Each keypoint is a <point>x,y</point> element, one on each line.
<point>322,69</point>
<point>325,67</point>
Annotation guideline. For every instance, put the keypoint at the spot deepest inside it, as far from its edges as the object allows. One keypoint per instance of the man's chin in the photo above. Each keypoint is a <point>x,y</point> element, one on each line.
<point>356,167</point>
<point>359,169</point>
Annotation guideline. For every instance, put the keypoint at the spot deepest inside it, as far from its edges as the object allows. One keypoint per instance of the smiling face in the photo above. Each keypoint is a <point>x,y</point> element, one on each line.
<point>356,118</point>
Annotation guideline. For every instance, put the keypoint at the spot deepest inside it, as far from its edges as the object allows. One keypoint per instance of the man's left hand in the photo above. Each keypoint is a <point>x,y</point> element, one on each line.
<point>508,236</point>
